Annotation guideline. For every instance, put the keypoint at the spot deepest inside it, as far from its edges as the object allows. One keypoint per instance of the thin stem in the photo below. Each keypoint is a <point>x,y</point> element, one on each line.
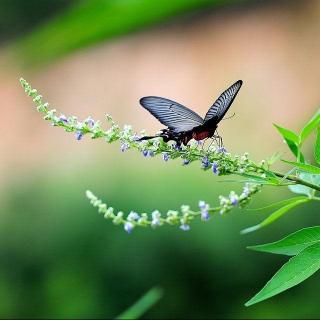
<point>298,180</point>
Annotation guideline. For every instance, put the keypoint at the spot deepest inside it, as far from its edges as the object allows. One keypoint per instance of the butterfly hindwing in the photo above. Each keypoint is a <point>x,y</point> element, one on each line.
<point>172,114</point>
<point>223,103</point>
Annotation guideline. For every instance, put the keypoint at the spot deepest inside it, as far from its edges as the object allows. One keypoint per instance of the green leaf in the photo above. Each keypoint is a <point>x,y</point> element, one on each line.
<point>142,305</point>
<point>275,157</point>
<point>302,189</point>
<point>309,127</point>
<point>296,270</point>
<point>287,134</point>
<point>275,215</point>
<point>317,147</point>
<point>89,22</point>
<point>258,179</point>
<point>304,166</point>
<point>292,141</point>
<point>278,204</point>
<point>293,243</point>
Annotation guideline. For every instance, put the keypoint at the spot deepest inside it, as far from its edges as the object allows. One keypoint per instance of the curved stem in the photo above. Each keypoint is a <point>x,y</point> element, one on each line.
<point>297,180</point>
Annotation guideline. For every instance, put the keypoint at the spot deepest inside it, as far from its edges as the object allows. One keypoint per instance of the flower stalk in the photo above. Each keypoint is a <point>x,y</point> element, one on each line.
<point>215,159</point>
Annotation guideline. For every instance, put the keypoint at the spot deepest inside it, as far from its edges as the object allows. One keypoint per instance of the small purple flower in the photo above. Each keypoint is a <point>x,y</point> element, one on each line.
<point>155,219</point>
<point>177,147</point>
<point>222,150</point>
<point>205,215</point>
<point>79,135</point>
<point>204,208</point>
<point>202,204</point>
<point>205,162</point>
<point>185,227</point>
<point>233,199</point>
<point>89,121</point>
<point>150,153</point>
<point>124,146</point>
<point>136,138</point>
<point>165,156</point>
<point>145,153</point>
<point>215,168</point>
<point>199,142</point>
<point>63,118</point>
<point>132,216</point>
<point>186,162</point>
<point>128,227</point>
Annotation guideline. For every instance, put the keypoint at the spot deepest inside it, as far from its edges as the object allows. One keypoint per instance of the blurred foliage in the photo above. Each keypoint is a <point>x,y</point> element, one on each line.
<point>17,17</point>
<point>142,305</point>
<point>92,21</point>
<point>58,258</point>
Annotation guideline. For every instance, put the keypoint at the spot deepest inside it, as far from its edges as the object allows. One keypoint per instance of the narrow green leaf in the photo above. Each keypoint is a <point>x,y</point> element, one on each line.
<point>274,216</point>
<point>293,243</point>
<point>310,126</point>
<point>142,305</point>
<point>292,141</point>
<point>288,134</point>
<point>317,147</point>
<point>304,166</point>
<point>302,189</point>
<point>275,157</point>
<point>296,270</point>
<point>278,204</point>
<point>258,179</point>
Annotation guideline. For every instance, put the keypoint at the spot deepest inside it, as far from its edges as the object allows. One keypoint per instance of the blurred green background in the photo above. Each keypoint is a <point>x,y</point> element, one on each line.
<point>59,258</point>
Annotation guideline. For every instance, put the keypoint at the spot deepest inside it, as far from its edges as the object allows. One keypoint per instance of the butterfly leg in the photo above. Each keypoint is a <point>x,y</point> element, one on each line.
<point>220,141</point>
<point>216,140</point>
<point>203,143</point>
<point>212,141</point>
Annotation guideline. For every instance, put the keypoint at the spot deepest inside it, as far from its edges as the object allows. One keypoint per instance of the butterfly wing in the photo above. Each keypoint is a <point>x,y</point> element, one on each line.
<point>223,103</point>
<point>172,114</point>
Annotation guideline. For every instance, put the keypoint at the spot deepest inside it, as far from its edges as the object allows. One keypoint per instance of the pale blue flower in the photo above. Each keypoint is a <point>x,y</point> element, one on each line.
<point>79,135</point>
<point>233,198</point>
<point>204,208</point>
<point>63,118</point>
<point>222,150</point>
<point>124,146</point>
<point>186,162</point>
<point>215,168</point>
<point>205,162</point>
<point>155,219</point>
<point>128,227</point>
<point>177,147</point>
<point>185,227</point>
<point>132,216</point>
<point>165,156</point>
<point>89,121</point>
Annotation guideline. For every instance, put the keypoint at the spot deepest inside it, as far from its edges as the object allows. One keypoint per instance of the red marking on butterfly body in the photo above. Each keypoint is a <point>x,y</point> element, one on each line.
<point>200,135</point>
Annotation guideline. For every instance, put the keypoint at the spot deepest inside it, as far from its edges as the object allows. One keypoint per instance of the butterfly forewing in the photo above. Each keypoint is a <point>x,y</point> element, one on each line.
<point>172,114</point>
<point>223,103</point>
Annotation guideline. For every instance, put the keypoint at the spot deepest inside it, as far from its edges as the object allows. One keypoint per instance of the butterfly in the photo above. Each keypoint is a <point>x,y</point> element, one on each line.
<point>184,124</point>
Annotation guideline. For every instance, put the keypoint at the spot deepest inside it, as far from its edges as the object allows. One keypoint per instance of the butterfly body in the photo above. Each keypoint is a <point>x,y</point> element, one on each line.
<point>184,124</point>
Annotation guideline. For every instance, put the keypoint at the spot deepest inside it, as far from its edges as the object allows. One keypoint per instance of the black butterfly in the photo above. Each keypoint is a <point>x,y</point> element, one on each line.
<point>184,124</point>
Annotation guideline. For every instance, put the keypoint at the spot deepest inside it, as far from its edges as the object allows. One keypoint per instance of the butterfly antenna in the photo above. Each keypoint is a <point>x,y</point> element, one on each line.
<point>229,117</point>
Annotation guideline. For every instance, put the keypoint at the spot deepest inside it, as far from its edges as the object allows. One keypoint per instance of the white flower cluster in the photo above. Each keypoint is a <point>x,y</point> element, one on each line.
<point>180,218</point>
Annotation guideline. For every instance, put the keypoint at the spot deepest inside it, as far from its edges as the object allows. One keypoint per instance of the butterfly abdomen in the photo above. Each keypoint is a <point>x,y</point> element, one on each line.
<point>200,135</point>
